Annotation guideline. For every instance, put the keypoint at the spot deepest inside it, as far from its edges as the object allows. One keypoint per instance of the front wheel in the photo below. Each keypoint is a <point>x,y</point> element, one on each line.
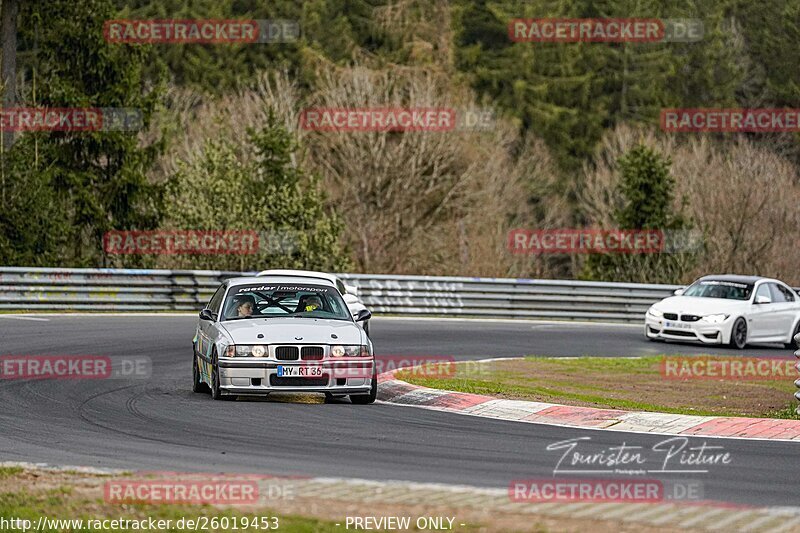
<point>197,383</point>
<point>792,344</point>
<point>364,399</point>
<point>739,334</point>
<point>216,392</point>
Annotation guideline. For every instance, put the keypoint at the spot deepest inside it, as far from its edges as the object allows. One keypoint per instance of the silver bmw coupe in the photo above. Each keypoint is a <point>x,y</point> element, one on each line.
<point>259,335</point>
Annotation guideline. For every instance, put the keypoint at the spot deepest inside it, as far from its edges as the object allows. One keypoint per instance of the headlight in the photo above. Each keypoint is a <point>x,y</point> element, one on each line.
<point>258,351</point>
<point>655,312</point>
<point>350,351</point>
<point>247,350</point>
<point>715,319</point>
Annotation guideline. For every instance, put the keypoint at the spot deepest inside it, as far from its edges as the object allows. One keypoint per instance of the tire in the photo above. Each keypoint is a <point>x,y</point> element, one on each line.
<point>331,398</point>
<point>364,399</point>
<point>216,392</point>
<point>197,383</point>
<point>792,345</point>
<point>739,334</point>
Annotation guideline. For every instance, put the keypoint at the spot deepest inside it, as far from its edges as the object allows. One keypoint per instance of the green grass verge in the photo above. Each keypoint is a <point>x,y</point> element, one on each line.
<point>8,471</point>
<point>576,381</point>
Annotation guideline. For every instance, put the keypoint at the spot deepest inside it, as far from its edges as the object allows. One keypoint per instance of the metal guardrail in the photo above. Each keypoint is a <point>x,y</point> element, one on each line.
<point>508,298</point>
<point>33,289</point>
<point>107,289</point>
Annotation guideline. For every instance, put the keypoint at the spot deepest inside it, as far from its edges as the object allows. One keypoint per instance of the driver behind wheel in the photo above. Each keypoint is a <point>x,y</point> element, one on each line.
<point>244,304</point>
<point>310,303</point>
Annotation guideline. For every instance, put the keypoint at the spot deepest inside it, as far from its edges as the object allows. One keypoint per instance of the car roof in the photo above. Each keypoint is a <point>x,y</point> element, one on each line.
<point>736,278</point>
<point>300,273</point>
<point>279,279</point>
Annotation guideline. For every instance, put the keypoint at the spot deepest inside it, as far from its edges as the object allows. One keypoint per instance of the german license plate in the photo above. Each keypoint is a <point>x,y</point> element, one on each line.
<point>677,325</point>
<point>299,371</point>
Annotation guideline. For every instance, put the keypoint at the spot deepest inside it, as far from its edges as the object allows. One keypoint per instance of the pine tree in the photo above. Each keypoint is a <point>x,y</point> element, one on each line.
<point>94,180</point>
<point>646,192</point>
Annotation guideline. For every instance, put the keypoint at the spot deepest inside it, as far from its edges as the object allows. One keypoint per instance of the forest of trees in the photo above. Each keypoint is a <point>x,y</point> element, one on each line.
<point>574,142</point>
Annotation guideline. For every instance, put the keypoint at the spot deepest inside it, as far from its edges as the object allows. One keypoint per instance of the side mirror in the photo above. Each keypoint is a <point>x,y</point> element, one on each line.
<point>763,300</point>
<point>677,292</point>
<point>363,315</point>
<point>206,314</point>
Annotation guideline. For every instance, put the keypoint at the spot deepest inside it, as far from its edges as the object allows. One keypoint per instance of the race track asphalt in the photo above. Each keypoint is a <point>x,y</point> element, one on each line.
<point>158,424</point>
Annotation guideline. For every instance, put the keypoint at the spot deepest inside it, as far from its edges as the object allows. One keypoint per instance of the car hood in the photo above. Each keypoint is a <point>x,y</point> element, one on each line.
<point>287,330</point>
<point>700,306</point>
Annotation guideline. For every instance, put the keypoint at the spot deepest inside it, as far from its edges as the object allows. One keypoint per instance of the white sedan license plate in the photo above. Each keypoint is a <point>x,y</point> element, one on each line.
<point>299,371</point>
<point>677,325</point>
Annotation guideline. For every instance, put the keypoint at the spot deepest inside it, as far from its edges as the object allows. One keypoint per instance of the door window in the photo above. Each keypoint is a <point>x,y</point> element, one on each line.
<point>781,293</point>
<point>340,286</point>
<point>216,300</point>
<point>763,290</point>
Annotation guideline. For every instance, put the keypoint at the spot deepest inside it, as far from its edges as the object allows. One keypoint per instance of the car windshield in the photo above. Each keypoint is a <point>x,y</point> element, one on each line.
<point>719,288</point>
<point>282,300</point>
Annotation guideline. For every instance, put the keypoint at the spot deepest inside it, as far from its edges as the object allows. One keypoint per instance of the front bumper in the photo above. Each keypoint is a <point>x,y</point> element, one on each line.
<point>253,376</point>
<point>699,331</point>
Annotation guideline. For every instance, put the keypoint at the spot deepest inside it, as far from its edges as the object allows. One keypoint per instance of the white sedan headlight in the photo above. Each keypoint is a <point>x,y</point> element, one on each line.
<point>258,351</point>
<point>246,350</point>
<point>715,319</point>
<point>655,312</point>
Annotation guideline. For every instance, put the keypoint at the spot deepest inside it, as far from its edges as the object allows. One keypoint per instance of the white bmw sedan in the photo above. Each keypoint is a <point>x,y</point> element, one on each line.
<point>265,334</point>
<point>727,309</point>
